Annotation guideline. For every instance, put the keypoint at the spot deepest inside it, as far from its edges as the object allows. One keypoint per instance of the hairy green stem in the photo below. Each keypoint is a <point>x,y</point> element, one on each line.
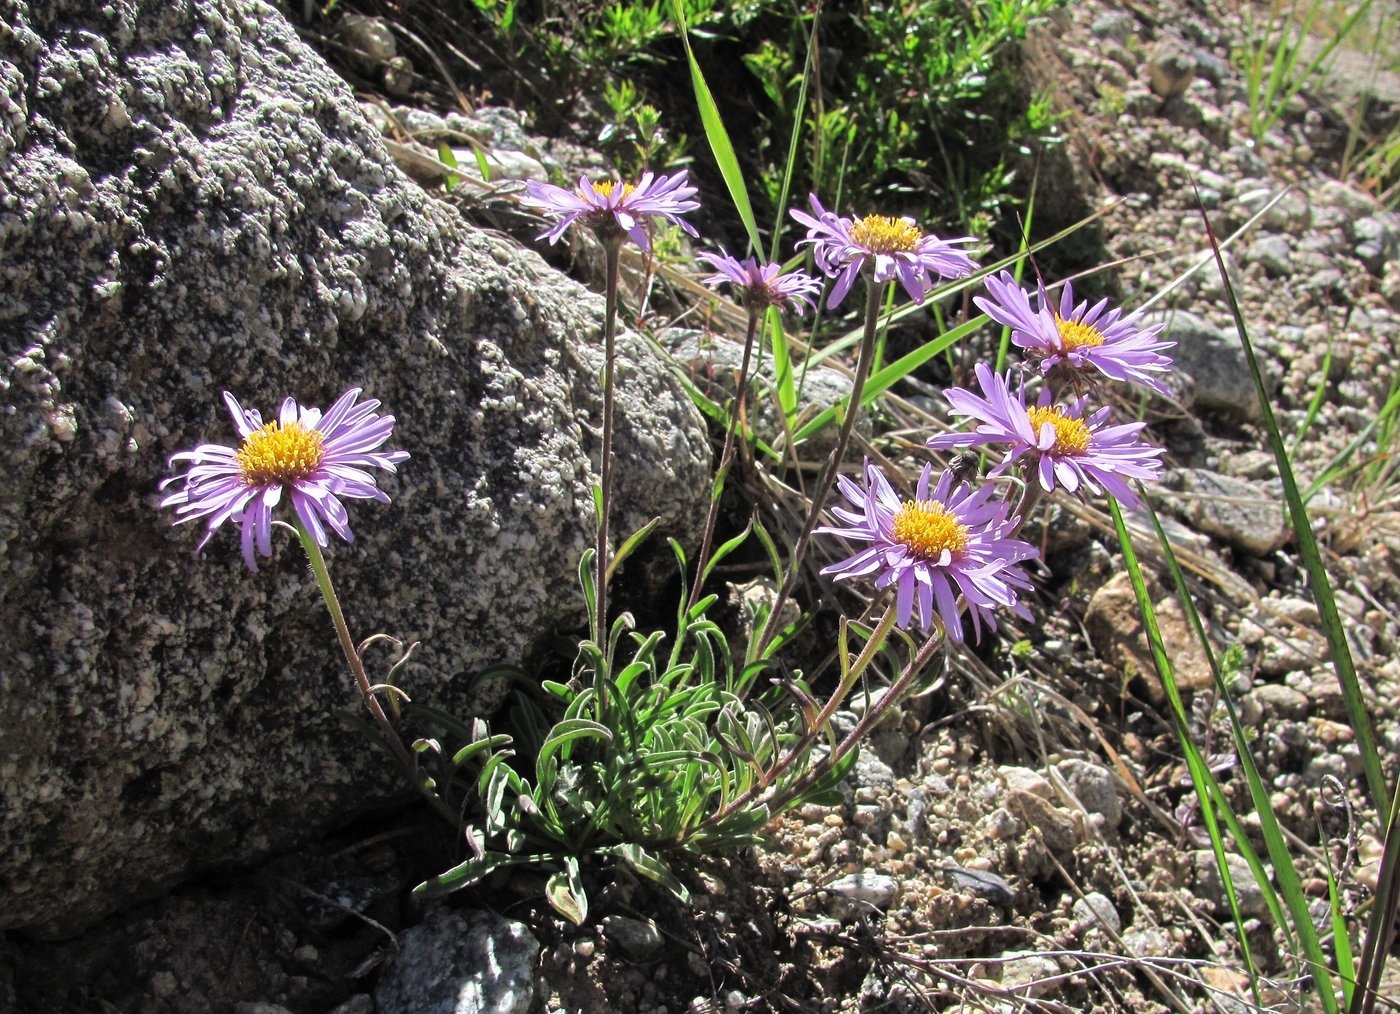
<point>613,248</point>
<point>726,456</point>
<point>347,645</point>
<point>833,463</point>
<point>1031,493</point>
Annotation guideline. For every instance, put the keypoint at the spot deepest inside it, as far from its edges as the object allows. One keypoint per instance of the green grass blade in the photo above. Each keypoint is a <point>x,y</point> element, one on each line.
<point>797,120</point>
<point>782,364</point>
<point>1258,792</point>
<point>1380,930</point>
<point>1315,405</point>
<point>1207,785</point>
<point>1208,795</point>
<point>718,137</point>
<point>1341,936</point>
<point>1340,465</point>
<point>1318,581</point>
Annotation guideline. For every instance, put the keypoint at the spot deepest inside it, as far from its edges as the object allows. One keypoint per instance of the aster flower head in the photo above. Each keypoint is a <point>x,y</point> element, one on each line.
<point>892,247</point>
<point>314,460</point>
<point>1066,447</point>
<point>1076,338</point>
<point>950,541</point>
<point>614,209</point>
<point>762,285</point>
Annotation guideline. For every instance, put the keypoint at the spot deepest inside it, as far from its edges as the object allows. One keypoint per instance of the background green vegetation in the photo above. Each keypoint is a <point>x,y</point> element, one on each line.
<point>905,108</point>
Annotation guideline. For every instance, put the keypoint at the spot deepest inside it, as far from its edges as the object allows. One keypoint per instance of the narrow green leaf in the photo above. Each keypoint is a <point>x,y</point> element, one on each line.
<point>449,159</point>
<point>790,166</point>
<point>1318,582</point>
<point>774,559</point>
<point>717,136</point>
<point>482,746</point>
<point>465,874</point>
<point>643,862</point>
<point>572,729</point>
<point>1210,794</point>
<point>1341,935</point>
<point>782,364</point>
<point>726,548</point>
<point>629,544</point>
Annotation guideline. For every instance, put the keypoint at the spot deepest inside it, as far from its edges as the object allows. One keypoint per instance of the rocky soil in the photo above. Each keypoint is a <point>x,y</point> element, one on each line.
<point>1022,835</point>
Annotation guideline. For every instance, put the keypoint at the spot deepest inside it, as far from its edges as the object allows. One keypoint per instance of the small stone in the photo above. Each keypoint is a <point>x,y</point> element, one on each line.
<point>1019,779</point>
<point>1002,825</point>
<point>1116,25</point>
<point>984,884</point>
<point>1028,974</point>
<point>858,892</point>
<point>163,985</point>
<point>1148,942</point>
<point>1247,515</point>
<point>585,948</point>
<point>866,816</point>
<point>368,43</point>
<point>360,1003</point>
<point>1301,611</point>
<point>1097,910</point>
<point>1274,253</point>
<point>641,940</point>
<point>1115,626</point>
<point>871,772</point>
<point>1171,66</point>
<point>1057,828</point>
<point>1214,360</point>
<point>1278,701</point>
<point>1094,787</point>
<point>1210,887</point>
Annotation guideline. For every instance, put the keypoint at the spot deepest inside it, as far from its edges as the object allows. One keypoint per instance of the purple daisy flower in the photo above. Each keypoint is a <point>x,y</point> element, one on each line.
<point>896,247</point>
<point>614,209</point>
<point>1077,338</point>
<point>316,460</point>
<point>762,285</point>
<point>947,542</point>
<point>1066,448</point>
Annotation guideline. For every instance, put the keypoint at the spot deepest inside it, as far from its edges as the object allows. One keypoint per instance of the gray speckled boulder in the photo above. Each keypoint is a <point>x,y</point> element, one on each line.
<point>480,963</point>
<point>190,201</point>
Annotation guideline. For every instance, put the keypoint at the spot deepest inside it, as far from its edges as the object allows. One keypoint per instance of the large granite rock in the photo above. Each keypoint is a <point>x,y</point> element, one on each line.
<point>190,201</point>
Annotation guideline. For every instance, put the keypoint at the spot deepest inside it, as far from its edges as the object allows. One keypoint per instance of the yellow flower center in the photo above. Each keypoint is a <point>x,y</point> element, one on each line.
<point>605,188</point>
<point>1072,436</point>
<point>927,528</point>
<point>1075,336</point>
<point>884,235</point>
<point>278,454</point>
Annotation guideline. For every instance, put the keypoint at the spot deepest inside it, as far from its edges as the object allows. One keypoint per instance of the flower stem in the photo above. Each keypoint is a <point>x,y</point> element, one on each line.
<point>833,463</point>
<point>613,248</point>
<point>725,458</point>
<point>1030,498</point>
<point>347,645</point>
<point>872,718</point>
